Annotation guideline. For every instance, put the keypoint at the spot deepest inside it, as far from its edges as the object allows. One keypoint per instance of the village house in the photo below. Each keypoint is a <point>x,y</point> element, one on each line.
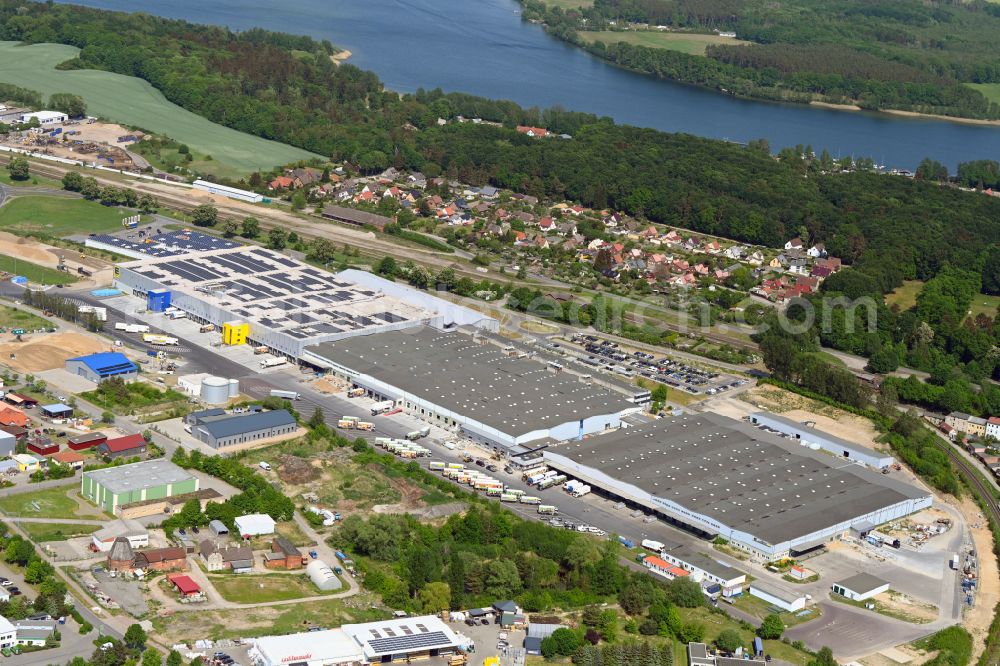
<point>795,243</point>
<point>283,555</point>
<point>238,559</point>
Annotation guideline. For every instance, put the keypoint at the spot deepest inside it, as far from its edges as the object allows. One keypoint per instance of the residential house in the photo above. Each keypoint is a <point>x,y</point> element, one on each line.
<point>817,250</point>
<point>798,267</point>
<point>238,559</point>
<point>993,427</point>
<point>756,258</point>
<point>672,237</point>
<point>735,252</point>
<point>11,416</point>
<point>280,183</point>
<point>566,229</point>
<point>795,243</point>
<point>546,224</point>
<point>712,247</point>
<point>534,132</point>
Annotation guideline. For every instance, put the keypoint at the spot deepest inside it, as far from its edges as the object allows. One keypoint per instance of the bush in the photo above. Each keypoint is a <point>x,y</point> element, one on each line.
<point>771,628</point>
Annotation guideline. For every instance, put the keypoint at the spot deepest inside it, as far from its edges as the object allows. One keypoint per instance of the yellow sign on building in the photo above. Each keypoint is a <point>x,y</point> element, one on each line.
<point>235,332</point>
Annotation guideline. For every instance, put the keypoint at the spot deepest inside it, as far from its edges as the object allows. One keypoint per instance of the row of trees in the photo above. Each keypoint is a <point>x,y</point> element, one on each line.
<point>109,195</point>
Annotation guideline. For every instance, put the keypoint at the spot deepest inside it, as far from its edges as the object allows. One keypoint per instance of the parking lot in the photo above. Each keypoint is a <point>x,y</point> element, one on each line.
<point>608,356</point>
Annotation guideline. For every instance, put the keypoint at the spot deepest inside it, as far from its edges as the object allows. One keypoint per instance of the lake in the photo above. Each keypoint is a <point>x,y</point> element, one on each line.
<point>482,47</point>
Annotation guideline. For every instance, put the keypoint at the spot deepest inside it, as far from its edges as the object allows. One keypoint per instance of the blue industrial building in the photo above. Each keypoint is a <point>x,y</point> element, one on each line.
<point>103,365</point>
<point>158,300</point>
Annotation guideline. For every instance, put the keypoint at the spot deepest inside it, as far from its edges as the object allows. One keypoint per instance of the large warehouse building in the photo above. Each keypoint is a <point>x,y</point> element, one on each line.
<point>718,477</point>
<point>284,304</point>
<point>451,380</point>
<point>111,487</point>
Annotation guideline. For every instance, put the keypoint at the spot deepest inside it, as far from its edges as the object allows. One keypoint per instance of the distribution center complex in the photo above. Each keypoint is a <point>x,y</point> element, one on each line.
<point>262,297</point>
<point>453,381</point>
<point>719,477</point>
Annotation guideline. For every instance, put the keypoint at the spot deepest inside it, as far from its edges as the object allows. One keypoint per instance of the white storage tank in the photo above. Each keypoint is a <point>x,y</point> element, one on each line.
<point>322,576</point>
<point>215,390</point>
<point>234,388</point>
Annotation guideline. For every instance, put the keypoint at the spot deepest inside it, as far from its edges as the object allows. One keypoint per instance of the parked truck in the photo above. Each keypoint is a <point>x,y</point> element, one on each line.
<point>262,349</point>
<point>178,314</point>
<point>649,544</point>
<point>527,499</point>
<point>100,314</point>
<point>273,362</point>
<point>131,328</point>
<point>156,339</point>
<point>364,425</point>
<point>207,328</point>
<point>417,434</point>
<point>581,491</point>
<point>356,392</point>
<point>382,407</point>
<point>288,395</point>
<point>435,466</point>
<point>954,562</point>
<point>508,497</point>
<point>547,509</point>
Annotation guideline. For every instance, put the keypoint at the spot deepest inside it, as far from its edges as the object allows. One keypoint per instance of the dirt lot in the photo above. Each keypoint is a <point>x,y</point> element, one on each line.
<point>791,405</point>
<point>977,620</point>
<point>46,352</point>
<point>46,255</point>
<point>98,133</point>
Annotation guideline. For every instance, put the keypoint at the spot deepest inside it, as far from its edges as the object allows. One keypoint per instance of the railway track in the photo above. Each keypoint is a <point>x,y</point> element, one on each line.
<point>972,476</point>
<point>368,244</point>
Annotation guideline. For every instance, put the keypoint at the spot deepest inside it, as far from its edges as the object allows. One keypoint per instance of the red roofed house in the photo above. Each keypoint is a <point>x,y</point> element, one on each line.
<point>185,586</point>
<point>532,131</point>
<point>280,183</point>
<point>129,445</point>
<point>9,416</point>
<point>71,458</point>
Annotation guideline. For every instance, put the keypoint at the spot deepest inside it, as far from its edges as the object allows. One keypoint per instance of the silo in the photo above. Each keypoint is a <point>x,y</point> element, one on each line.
<point>234,388</point>
<point>215,390</point>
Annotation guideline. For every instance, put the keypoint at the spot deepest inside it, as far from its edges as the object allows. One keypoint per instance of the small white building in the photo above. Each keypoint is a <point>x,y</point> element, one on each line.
<point>45,117</point>
<point>255,524</point>
<point>226,191</point>
<point>860,587</point>
<point>8,633</point>
<point>134,531</point>
<point>776,596</point>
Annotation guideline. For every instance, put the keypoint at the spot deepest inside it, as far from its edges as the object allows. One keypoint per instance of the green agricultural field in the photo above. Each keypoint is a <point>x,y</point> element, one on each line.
<point>133,101</point>
<point>55,216</point>
<point>42,532</point>
<point>692,44</point>
<point>11,317</point>
<point>34,272</point>
<point>990,91</point>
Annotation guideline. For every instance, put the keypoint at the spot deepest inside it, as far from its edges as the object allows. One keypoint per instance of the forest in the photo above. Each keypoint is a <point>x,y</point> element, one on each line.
<point>894,54</point>
<point>286,88</point>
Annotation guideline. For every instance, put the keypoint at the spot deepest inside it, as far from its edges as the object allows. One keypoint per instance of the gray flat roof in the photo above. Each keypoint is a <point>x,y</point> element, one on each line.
<point>861,583</point>
<point>228,426</point>
<point>706,563</point>
<point>480,382</point>
<point>798,426</point>
<point>747,479</point>
<point>138,475</point>
<point>786,595</point>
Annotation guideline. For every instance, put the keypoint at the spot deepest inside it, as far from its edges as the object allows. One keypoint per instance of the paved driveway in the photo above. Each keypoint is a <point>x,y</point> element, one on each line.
<point>853,632</point>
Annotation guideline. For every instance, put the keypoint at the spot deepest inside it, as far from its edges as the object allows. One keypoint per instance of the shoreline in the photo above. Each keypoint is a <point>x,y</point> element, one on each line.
<point>340,56</point>
<point>908,114</point>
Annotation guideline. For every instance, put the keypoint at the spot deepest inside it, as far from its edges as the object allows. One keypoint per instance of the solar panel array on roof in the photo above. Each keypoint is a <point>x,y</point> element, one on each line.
<point>170,244</point>
<point>407,643</point>
<point>264,286</point>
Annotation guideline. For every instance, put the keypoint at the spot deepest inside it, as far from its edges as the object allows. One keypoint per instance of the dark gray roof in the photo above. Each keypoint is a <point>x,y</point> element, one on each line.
<point>243,423</point>
<point>479,382</point>
<point>738,475</point>
<point>861,583</point>
<point>356,216</point>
